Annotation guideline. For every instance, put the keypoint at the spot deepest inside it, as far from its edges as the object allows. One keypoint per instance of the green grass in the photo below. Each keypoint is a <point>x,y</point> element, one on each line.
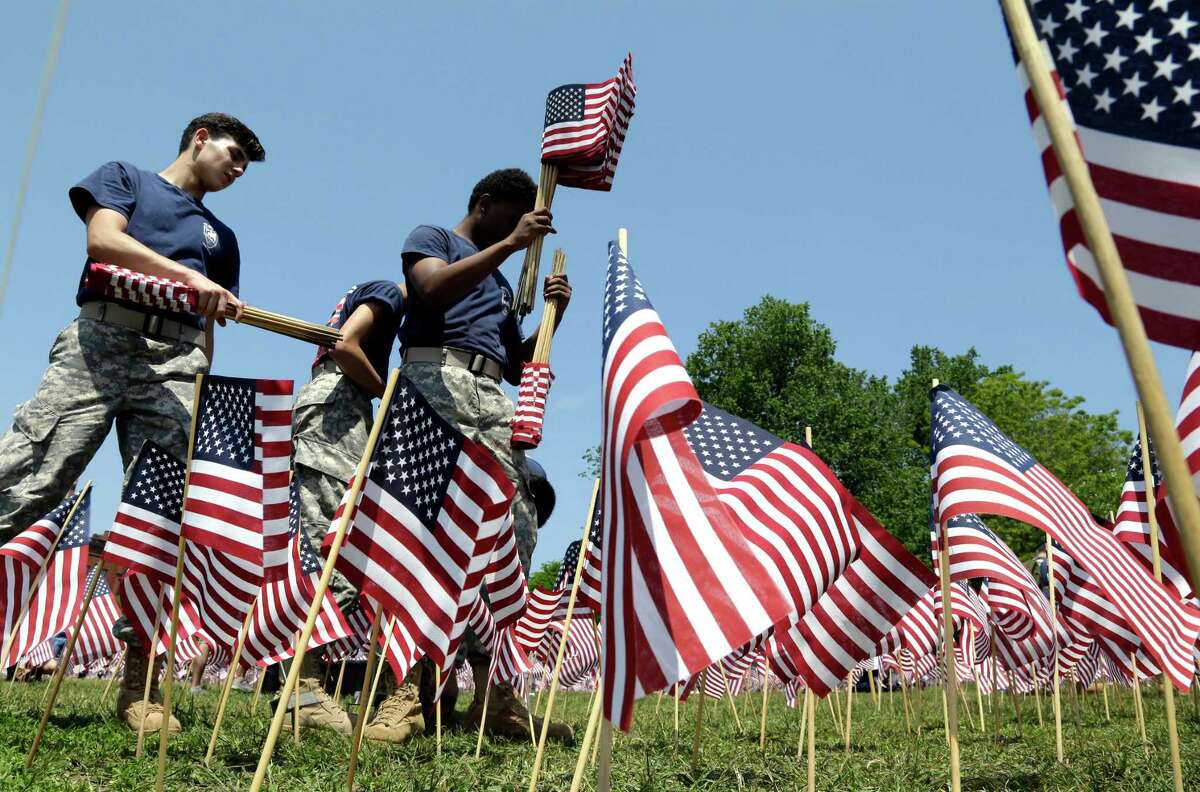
<point>87,748</point>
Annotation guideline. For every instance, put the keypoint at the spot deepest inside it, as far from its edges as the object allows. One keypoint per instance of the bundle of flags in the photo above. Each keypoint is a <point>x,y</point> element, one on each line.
<point>585,128</point>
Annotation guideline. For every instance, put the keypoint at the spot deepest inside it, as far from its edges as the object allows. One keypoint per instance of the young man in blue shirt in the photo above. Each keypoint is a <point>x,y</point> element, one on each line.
<point>123,363</point>
<point>460,338</point>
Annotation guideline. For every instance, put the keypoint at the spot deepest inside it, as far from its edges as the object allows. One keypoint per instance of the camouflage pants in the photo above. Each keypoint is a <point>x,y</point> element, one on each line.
<point>331,423</point>
<point>480,409</point>
<point>99,374</point>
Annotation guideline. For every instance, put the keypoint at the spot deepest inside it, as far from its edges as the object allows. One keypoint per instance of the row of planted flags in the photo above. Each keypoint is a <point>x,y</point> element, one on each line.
<point>711,542</point>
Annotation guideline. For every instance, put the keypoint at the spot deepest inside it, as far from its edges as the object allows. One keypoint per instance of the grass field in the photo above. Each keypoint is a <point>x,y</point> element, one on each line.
<point>87,748</point>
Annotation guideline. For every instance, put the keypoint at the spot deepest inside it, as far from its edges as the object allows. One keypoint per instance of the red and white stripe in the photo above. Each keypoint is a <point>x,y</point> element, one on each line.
<point>504,579</point>
<point>1148,192</point>
<point>599,175</point>
<point>119,283</point>
<point>96,641</point>
<point>20,559</point>
<point>55,602</point>
<point>681,586</point>
<point>358,622</point>
<point>530,412</point>
<point>543,607</point>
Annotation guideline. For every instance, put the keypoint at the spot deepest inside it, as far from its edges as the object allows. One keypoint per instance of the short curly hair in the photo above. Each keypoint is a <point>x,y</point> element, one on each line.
<point>509,185</point>
<point>220,125</point>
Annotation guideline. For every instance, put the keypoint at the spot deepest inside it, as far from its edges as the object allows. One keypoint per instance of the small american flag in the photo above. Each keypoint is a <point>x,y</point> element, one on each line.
<point>55,601</point>
<point>1132,524</point>
<point>1129,78</point>
<point>504,579</point>
<point>426,524</point>
<point>95,640</point>
<point>543,607</point>
<point>682,587</point>
<point>585,129</point>
<point>145,533</point>
<point>237,498</point>
<point>1187,423</point>
<point>22,557</point>
<point>531,405</point>
<point>359,623</point>
<point>282,607</point>
<point>977,469</point>
<point>118,283</point>
<point>587,599</point>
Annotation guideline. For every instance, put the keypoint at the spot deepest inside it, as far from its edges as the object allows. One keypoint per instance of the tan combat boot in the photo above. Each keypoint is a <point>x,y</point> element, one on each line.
<point>318,710</point>
<point>507,715</point>
<point>129,699</point>
<point>399,715</point>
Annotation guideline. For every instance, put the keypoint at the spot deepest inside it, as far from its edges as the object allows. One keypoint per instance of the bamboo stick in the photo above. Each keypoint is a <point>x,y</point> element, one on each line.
<point>905,705</point>
<point>541,351</point>
<point>1037,692</point>
<point>437,686</point>
<point>951,702</point>
<point>37,581</point>
<point>60,671</point>
<point>729,695</point>
<point>604,774</point>
<point>337,689</point>
<point>296,706</point>
<point>589,738</point>
<point>523,303</point>
<point>1058,738</point>
<point>1139,709</point>
<point>803,723</point>
<point>540,751</point>
<point>849,709</point>
<point>1121,306</point>
<point>322,586</point>
<point>169,677</point>
<point>118,669</point>
<point>1104,691</point>
<point>258,686</point>
<point>487,694</point>
<point>811,707</point>
<point>158,615</point>
<point>1168,690</point>
<point>364,705</point>
<point>699,724</point>
<point>762,724</point>
<point>228,686</point>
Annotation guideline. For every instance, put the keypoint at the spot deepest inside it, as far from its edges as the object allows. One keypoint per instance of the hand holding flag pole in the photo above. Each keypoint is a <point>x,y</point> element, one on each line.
<point>536,375</point>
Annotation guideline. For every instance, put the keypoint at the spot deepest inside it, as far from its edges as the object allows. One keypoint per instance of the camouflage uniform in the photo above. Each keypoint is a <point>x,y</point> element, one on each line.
<point>98,373</point>
<point>481,411</point>
<point>331,423</point>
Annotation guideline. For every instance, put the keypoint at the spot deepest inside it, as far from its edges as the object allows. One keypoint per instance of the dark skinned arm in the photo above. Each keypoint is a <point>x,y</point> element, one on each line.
<point>349,354</point>
<point>107,241</point>
<point>440,283</point>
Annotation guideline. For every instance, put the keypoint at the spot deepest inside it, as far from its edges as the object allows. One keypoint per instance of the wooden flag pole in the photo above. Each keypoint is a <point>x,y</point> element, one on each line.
<point>1122,308</point>
<point>541,350</point>
<point>37,581</point>
<point>1139,709</point>
<point>437,686</point>
<point>951,701</point>
<point>1058,738</point>
<point>314,611</point>
<point>905,705</point>
<point>228,686</point>
<point>364,704</point>
<point>64,661</point>
<point>169,673</point>
<point>117,670</point>
<point>604,773</point>
<point>258,686</point>
<point>876,693</point>
<point>158,615</point>
<point>296,705</point>
<point>364,709</point>
<point>803,723</point>
<point>849,708</point>
<point>699,724</point>
<point>1156,557</point>
<point>979,698</point>
<point>762,724</point>
<point>527,285</point>
<point>337,688</point>
<point>1037,692</point>
<point>487,693</point>
<point>676,712</point>
<point>562,642</point>
<point>729,695</point>
<point>1104,692</point>
<point>589,737</point>
<point>810,702</point>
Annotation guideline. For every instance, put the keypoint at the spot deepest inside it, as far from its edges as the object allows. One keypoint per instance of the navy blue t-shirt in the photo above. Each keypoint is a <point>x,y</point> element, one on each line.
<point>481,321</point>
<point>378,344</point>
<point>165,219</point>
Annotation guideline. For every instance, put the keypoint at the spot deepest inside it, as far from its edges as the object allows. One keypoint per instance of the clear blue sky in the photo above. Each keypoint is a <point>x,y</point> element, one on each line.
<point>870,157</point>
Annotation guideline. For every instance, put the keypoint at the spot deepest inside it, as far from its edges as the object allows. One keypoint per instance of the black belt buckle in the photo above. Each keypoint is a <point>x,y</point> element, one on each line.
<point>152,325</point>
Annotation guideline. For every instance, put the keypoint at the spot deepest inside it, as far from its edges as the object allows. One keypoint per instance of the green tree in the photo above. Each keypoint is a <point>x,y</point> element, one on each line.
<point>546,576</point>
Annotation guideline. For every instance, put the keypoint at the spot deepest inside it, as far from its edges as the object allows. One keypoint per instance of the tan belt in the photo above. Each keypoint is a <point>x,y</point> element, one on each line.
<point>325,366</point>
<point>459,358</point>
<point>144,323</point>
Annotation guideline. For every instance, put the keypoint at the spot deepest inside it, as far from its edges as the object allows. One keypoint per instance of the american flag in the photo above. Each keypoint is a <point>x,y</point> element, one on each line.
<point>919,632</point>
<point>354,642</point>
<point>504,579</point>
<point>54,599</point>
<point>681,587</point>
<point>95,640</point>
<point>585,128</point>
<point>871,597</point>
<point>587,599</point>
<point>530,412</point>
<point>1187,423</point>
<point>1132,524</point>
<point>145,533</point>
<point>426,524</point>
<point>580,652</point>
<point>39,655</point>
<point>509,661</point>
<point>237,498</point>
<point>977,469</point>
<point>118,283</point>
<point>22,557</point>
<point>543,607</point>
<point>1129,77</point>
<point>282,606</point>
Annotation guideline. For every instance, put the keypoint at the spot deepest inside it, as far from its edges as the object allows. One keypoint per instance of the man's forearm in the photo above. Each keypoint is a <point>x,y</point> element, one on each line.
<point>354,364</point>
<point>122,250</point>
<point>447,284</point>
